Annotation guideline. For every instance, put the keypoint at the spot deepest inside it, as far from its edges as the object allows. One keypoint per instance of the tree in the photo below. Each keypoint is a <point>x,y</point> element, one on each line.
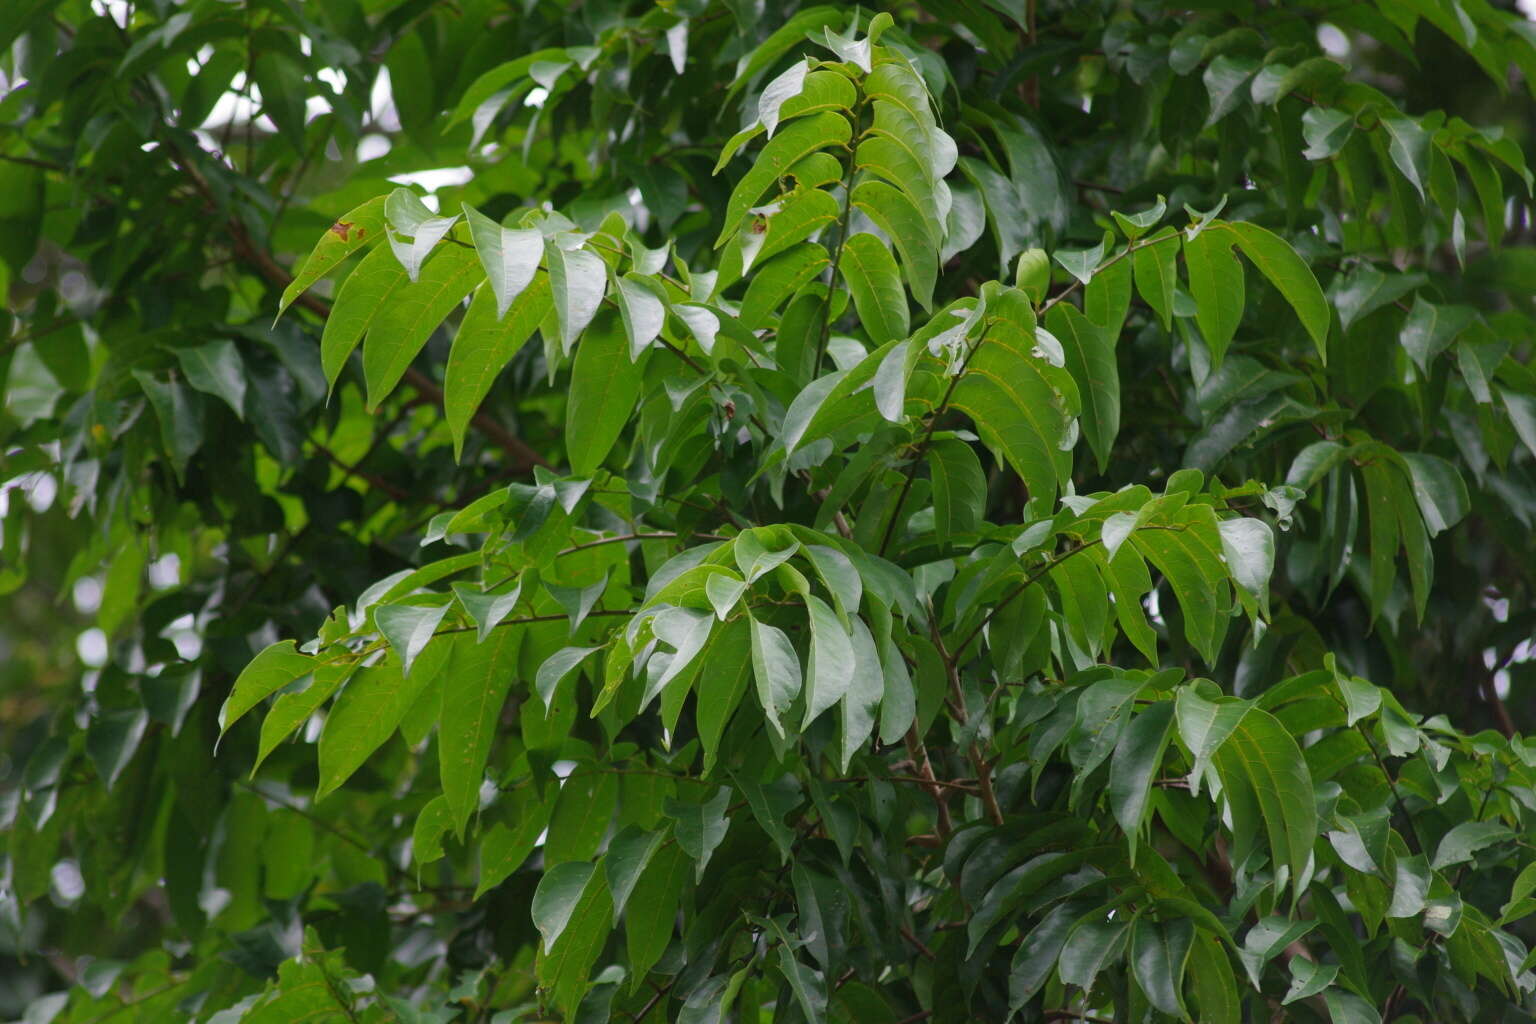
<point>1036,523</point>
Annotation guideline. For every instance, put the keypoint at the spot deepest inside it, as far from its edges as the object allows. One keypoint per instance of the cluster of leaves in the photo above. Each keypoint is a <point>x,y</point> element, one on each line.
<point>925,589</point>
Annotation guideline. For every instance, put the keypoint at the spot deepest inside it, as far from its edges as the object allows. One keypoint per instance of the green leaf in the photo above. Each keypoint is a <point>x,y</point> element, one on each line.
<point>1137,761</point>
<point>959,488</point>
<point>900,219</point>
<point>625,861</point>
<point>1289,274</point>
<point>1215,987</point>
<point>866,686</point>
<point>568,960</point>
<point>1188,553</point>
<point>360,226</point>
<point>643,312</point>
<point>799,139</point>
<point>604,388</point>
<point>483,345</point>
<point>724,591</point>
<point>367,713</point>
<point>1036,956</point>
<point>700,827</point>
<point>1135,225</point>
<point>1248,546</point>
<point>831,665</point>
<point>776,671</point>
<point>798,217</point>
<point>779,42</point>
<point>1409,149</point>
<point>581,814</point>
<point>1225,79</point>
<point>1092,946</point>
<point>1159,952</point>
<point>410,314</point>
<point>365,291</point>
<point>1204,726</point>
<point>555,899</point>
<point>722,683</point>
<point>1022,405</point>
<point>409,628</point>
<point>1216,283</point>
<point>1268,787</point>
<point>290,710</point>
<point>215,368</point>
<point>808,989</point>
<point>1430,329</point>
<point>652,908</point>
<point>1308,978</point>
<point>778,279</point>
<point>577,280</point>
<point>1348,1008</point>
<point>510,257</point>
<point>113,738</point>
<point>503,849</point>
<point>1438,490</point>
<point>1090,356</point>
<point>474,689</point>
<point>1463,840</point>
<point>869,270</point>
<point>180,414</point>
<point>789,84</point>
<point>277,666</point>
<point>1326,130</point>
<point>554,670</point>
<point>1154,264</point>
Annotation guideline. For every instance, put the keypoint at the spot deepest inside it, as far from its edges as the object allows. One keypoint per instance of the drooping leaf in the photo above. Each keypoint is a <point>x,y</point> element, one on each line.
<point>410,314</point>
<point>871,274</point>
<point>484,345</point>
<point>509,256</point>
<point>604,388</point>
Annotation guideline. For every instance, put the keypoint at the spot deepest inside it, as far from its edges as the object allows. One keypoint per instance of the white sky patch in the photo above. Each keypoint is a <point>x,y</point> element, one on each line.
<point>87,595</point>
<point>1527,8</point>
<point>117,10</point>
<point>92,648</point>
<point>373,146</point>
<point>381,103</point>
<point>165,571</point>
<point>434,179</point>
<point>1334,42</point>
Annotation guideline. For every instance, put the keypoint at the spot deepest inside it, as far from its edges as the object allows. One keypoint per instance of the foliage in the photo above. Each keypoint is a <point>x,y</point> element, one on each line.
<point>1036,523</point>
